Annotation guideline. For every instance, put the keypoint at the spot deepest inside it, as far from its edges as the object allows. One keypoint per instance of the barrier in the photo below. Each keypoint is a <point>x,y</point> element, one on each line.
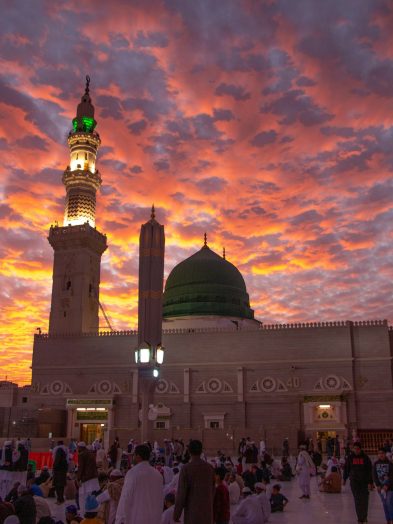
<point>45,459</point>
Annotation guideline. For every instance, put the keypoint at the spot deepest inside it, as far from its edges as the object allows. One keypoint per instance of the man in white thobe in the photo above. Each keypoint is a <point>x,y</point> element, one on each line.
<point>304,468</point>
<point>141,500</point>
<point>260,490</point>
<point>249,510</point>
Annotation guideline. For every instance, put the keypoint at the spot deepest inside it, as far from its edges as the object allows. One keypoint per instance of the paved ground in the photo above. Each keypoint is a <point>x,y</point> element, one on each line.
<point>322,508</point>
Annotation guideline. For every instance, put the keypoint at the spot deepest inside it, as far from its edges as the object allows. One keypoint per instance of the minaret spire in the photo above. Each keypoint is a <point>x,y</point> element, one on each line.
<point>205,240</point>
<point>223,253</point>
<point>81,177</point>
<point>153,212</point>
<point>87,85</point>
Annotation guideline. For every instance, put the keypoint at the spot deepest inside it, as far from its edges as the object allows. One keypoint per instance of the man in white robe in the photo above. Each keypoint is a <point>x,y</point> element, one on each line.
<point>249,510</point>
<point>141,500</point>
<point>304,468</point>
<point>234,490</point>
<point>260,490</point>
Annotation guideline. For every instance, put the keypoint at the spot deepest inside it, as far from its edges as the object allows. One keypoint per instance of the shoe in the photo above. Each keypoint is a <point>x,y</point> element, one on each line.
<point>303,497</point>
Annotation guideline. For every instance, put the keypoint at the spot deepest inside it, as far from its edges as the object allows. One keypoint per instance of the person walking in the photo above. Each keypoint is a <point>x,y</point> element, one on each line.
<point>383,480</point>
<point>141,500</point>
<point>358,469</point>
<point>195,492</point>
<point>87,475</point>
<point>221,504</point>
<point>304,467</point>
<point>60,468</point>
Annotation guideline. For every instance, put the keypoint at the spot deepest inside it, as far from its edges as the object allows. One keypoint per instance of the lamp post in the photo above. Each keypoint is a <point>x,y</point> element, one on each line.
<point>148,359</point>
<point>149,354</point>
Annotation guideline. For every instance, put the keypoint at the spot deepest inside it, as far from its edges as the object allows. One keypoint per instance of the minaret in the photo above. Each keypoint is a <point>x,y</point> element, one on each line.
<point>77,245</point>
<point>151,279</point>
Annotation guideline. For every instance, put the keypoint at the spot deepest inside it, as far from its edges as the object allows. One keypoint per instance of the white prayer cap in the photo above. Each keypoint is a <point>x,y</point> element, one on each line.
<point>8,443</point>
<point>115,473</point>
<point>259,485</point>
<point>12,519</point>
<point>81,444</point>
<point>246,490</point>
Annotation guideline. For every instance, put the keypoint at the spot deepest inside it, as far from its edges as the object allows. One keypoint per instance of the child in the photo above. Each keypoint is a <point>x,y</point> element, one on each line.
<point>91,508</point>
<point>71,514</point>
<point>169,503</point>
<point>278,501</point>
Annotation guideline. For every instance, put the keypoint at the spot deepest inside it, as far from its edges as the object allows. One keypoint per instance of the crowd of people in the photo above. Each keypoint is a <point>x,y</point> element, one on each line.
<point>176,482</point>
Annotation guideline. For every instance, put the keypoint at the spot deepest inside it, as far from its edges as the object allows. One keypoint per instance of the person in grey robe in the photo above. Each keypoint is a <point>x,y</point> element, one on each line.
<point>195,492</point>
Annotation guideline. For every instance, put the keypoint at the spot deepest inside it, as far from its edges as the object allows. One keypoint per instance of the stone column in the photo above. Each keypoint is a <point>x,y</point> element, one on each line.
<point>147,384</point>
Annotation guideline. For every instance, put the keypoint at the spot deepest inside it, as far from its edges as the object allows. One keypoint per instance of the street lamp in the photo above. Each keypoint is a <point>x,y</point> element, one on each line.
<point>149,357</point>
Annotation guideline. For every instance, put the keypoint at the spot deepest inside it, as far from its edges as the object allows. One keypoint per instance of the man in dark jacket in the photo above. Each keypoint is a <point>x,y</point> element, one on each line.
<point>358,469</point>
<point>195,492</point>
<point>383,479</point>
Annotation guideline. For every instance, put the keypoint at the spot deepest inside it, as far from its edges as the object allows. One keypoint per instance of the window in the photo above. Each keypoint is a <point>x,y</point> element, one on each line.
<point>24,400</point>
<point>214,420</point>
<point>161,424</point>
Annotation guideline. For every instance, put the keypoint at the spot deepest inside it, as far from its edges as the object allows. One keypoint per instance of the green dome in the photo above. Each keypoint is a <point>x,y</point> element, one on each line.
<point>206,284</point>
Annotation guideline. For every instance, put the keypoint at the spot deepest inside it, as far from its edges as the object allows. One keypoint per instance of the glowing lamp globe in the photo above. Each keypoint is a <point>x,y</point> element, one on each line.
<point>160,354</point>
<point>144,355</point>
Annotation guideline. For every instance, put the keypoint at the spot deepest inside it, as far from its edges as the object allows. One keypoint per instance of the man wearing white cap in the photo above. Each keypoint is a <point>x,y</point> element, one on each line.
<point>87,475</point>
<point>249,510</point>
<point>109,499</point>
<point>141,500</point>
<point>260,490</point>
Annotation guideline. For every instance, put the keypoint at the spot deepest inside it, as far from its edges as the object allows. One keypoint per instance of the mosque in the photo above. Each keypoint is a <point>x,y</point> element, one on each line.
<point>225,374</point>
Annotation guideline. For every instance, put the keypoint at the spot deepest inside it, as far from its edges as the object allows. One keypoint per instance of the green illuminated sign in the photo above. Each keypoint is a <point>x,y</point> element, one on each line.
<point>91,415</point>
<point>88,401</point>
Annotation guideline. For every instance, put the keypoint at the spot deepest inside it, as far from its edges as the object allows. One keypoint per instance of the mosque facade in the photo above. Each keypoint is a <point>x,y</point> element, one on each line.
<point>225,375</point>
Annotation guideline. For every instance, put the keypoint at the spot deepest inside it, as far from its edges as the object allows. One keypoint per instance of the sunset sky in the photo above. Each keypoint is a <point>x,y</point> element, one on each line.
<point>266,123</point>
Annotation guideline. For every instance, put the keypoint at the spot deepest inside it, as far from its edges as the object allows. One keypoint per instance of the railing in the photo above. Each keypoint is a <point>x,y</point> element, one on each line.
<point>374,438</point>
<point>188,331</point>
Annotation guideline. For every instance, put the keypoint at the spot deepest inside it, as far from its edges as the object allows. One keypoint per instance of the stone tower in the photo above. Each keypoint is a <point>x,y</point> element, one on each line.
<point>78,245</point>
<point>151,277</point>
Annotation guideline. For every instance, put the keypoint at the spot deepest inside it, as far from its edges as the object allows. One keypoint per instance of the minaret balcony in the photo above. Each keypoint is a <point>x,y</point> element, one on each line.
<point>82,235</point>
<point>82,178</point>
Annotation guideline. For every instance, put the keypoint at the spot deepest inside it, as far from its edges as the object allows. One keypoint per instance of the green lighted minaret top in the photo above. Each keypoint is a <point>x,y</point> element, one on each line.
<point>84,120</point>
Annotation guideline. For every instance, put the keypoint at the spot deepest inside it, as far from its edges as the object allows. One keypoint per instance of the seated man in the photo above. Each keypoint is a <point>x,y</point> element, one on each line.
<point>286,470</point>
<point>249,510</point>
<point>332,482</point>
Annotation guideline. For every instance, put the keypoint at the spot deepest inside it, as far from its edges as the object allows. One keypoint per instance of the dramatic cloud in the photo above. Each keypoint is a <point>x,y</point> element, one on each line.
<point>267,124</point>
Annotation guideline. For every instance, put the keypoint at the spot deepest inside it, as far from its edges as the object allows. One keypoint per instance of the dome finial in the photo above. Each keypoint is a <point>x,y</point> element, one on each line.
<point>223,253</point>
<point>153,212</point>
<point>205,240</point>
<point>87,88</point>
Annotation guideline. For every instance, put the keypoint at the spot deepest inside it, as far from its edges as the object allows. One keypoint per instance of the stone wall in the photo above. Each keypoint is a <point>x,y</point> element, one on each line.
<point>257,378</point>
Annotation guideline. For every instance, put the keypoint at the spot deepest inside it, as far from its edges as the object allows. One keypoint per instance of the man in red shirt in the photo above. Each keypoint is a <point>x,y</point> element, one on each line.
<point>221,504</point>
